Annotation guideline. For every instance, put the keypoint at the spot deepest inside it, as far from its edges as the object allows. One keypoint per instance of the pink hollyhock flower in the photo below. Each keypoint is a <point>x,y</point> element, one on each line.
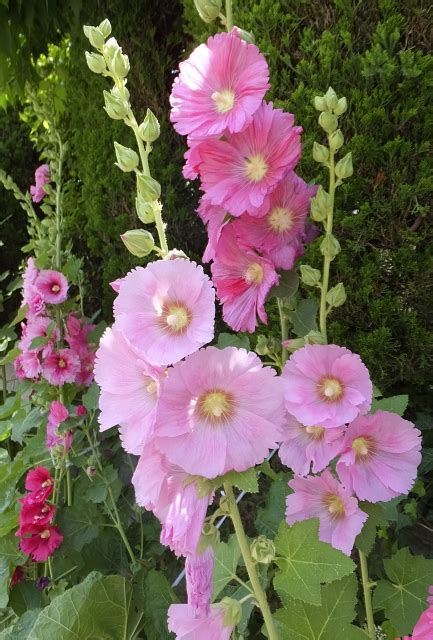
<point>77,334</point>
<point>381,454</point>
<point>219,400</point>
<point>182,622</point>
<point>40,541</point>
<point>42,176</point>
<point>215,219</point>
<point>199,569</point>
<point>303,446</point>
<point>242,279</point>
<point>423,629</point>
<point>193,157</point>
<point>238,173</point>
<point>52,285</point>
<point>129,390</point>
<point>116,284</point>
<point>40,484</point>
<point>325,498</point>
<point>326,385</point>
<point>18,368</point>
<point>61,366</point>
<point>58,414</point>
<point>35,513</point>
<point>166,310</point>
<point>29,276</point>
<point>29,364</point>
<point>278,234</point>
<point>37,327</point>
<point>17,576</point>
<point>85,374</point>
<point>81,410</point>
<point>219,87</point>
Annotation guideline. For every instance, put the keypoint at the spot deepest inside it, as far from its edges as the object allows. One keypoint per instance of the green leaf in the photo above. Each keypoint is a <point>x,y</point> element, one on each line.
<point>404,598</point>
<point>10,356</point>
<point>306,562</point>
<point>303,318</point>
<point>10,557</point>
<point>427,461</point>
<point>330,621</point>
<point>39,341</point>
<point>80,524</point>
<point>287,287</point>
<point>91,397</point>
<point>244,480</point>
<point>10,406</point>
<point>22,627</point>
<point>20,427</point>
<point>226,561</point>
<point>233,340</point>
<point>22,312</point>
<point>376,518</point>
<point>99,607</point>
<point>271,515</point>
<point>395,404</point>
<point>10,473</point>
<point>158,596</point>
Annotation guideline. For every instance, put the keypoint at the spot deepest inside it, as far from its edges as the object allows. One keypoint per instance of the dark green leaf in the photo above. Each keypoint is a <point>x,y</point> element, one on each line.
<point>22,312</point>
<point>233,340</point>
<point>395,404</point>
<point>91,397</point>
<point>376,518</point>
<point>303,318</point>
<point>287,287</point>
<point>10,557</point>
<point>80,524</point>
<point>158,596</point>
<point>271,515</point>
<point>10,356</point>
<point>226,561</point>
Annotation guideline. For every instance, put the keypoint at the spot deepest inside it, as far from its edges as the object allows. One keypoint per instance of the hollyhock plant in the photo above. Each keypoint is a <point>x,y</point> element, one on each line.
<point>182,622</point>
<point>129,390</point>
<point>219,87</point>
<point>305,446</point>
<point>166,310</point>
<point>323,497</point>
<point>52,285</point>
<point>40,542</point>
<point>35,513</point>
<point>39,327</point>
<point>60,367</point>
<point>381,454</point>
<point>58,414</point>
<point>42,177</point>
<point>243,280</point>
<point>40,484</point>
<point>239,172</point>
<point>220,400</point>
<point>326,385</point>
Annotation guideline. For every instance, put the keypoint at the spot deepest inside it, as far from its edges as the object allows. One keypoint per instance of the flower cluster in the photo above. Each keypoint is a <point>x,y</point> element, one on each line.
<point>39,538</point>
<point>42,177</point>
<point>58,414</point>
<point>245,151</point>
<point>42,351</point>
<point>328,393</point>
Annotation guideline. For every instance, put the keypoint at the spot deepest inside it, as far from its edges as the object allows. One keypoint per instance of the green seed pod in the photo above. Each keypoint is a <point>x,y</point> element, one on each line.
<point>208,10</point>
<point>149,129</point>
<point>336,296</point>
<point>95,62</point>
<point>320,152</point>
<point>262,550</point>
<point>309,276</point>
<point>139,242</point>
<point>127,159</point>
<point>344,167</point>
<point>148,188</point>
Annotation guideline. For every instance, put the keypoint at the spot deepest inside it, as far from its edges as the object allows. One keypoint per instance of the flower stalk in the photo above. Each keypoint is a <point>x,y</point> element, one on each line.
<point>366,586</point>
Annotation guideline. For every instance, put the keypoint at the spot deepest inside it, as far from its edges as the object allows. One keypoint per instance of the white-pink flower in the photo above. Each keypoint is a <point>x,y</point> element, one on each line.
<point>166,310</point>
<point>52,285</point>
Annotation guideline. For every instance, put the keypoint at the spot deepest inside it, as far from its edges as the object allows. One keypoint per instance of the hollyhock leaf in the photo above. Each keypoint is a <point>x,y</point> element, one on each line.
<point>157,597</point>
<point>90,399</point>
<point>330,621</point>
<point>7,409</point>
<point>99,607</point>
<point>376,518</point>
<point>25,597</point>
<point>233,340</point>
<point>306,563</point>
<point>303,318</point>
<point>427,461</point>
<point>404,597</point>
<point>22,627</point>
<point>245,481</point>
<point>271,515</point>
<point>227,558</point>
<point>10,356</point>
<point>9,519</point>
<point>22,312</point>
<point>395,404</point>
<point>33,419</point>
<point>10,473</point>
<point>287,287</point>
<point>10,557</point>
<point>80,524</point>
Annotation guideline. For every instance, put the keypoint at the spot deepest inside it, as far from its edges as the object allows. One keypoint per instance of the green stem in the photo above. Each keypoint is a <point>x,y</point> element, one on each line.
<point>367,595</point>
<point>229,16</point>
<point>59,209</point>
<point>326,259</point>
<point>249,564</point>
<point>68,483</point>
<point>4,382</point>
<point>284,331</point>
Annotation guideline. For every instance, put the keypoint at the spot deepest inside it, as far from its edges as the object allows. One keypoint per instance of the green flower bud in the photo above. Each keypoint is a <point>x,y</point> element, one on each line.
<point>309,276</point>
<point>95,36</point>
<point>331,99</point>
<point>262,550</point>
<point>344,167</point>
<point>320,152</point>
<point>336,296</point>
<point>336,140</point>
<point>139,242</point>
<point>315,337</point>
<point>208,10</point>
<point>328,121</point>
<point>116,107</point>
<point>262,346</point>
<point>294,344</point>
<point>232,611</point>
<point>148,188</point>
<point>146,210</point>
<point>127,159</point>
<point>341,107</point>
<point>95,62</point>
<point>210,537</point>
<point>320,103</point>
<point>120,64</point>
<point>247,36</point>
<point>120,92</point>
<point>105,27</point>
<point>224,505</point>
<point>111,47</point>
<point>330,247</point>
<point>149,129</point>
<point>320,205</point>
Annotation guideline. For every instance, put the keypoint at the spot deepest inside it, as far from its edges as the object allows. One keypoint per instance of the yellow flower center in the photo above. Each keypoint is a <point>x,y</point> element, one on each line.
<point>335,505</point>
<point>254,273</point>
<point>362,447</point>
<point>315,433</point>
<point>255,168</point>
<point>215,405</point>
<point>62,363</point>
<point>55,288</point>
<point>331,389</point>
<point>152,387</point>
<point>177,318</point>
<point>46,483</point>
<point>281,219</point>
<point>224,100</point>
<point>45,534</point>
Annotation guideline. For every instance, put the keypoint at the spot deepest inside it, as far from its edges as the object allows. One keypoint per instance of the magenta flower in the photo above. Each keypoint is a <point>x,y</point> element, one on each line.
<point>85,374</point>
<point>58,414</point>
<point>35,513</point>
<point>199,569</point>
<point>77,334</point>
<point>61,366</point>
<point>37,327</point>
<point>52,285</point>
<point>326,385</point>
<point>182,622</point>
<point>219,87</point>
<point>29,276</point>
<point>238,173</point>
<point>192,156</point>
<point>129,390</point>
<point>305,446</point>
<point>243,280</point>
<point>381,454</point>
<point>219,400</point>
<point>42,176</point>
<point>29,364</point>
<point>325,498</point>
<point>40,541</point>
<point>40,484</point>
<point>423,630</point>
<point>215,219</point>
<point>166,310</point>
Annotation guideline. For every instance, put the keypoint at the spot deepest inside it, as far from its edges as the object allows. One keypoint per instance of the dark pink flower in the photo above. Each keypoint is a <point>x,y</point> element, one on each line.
<point>423,629</point>
<point>40,484</point>
<point>52,285</point>
<point>61,366</point>
<point>58,414</point>
<point>35,513</point>
<point>30,364</point>
<point>215,219</point>
<point>42,176</point>
<point>40,541</point>
<point>17,577</point>
<point>77,334</point>
<point>38,327</point>
<point>81,410</point>
<point>85,374</point>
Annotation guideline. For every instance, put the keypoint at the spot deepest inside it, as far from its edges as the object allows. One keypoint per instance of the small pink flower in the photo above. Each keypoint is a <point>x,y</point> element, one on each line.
<point>61,366</point>
<point>323,497</point>
<point>243,280</point>
<point>42,176</point>
<point>40,541</point>
<point>38,327</point>
<point>85,374</point>
<point>77,334</point>
<point>29,276</point>
<point>35,302</point>
<point>182,622</point>
<point>166,310</point>
<point>35,513</point>
<point>219,87</point>
<point>303,446</point>
<point>423,629</point>
<point>129,390</point>
<point>224,401</point>
<point>381,454</point>
<point>199,569</point>
<point>81,410</point>
<point>29,364</point>
<point>215,219</point>
<point>326,385</point>
<point>40,484</point>
<point>239,172</point>
<point>52,285</point>
<point>18,368</point>
<point>58,414</point>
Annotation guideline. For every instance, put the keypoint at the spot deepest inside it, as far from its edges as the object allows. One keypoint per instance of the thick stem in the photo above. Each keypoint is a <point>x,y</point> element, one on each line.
<point>327,260</point>
<point>250,565</point>
<point>229,15</point>
<point>4,383</point>
<point>58,262</point>
<point>367,595</point>
<point>284,331</point>
<point>68,484</point>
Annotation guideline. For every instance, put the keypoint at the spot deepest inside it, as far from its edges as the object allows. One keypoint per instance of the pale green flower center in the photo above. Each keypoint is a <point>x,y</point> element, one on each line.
<point>254,273</point>
<point>281,219</point>
<point>315,433</point>
<point>335,505</point>
<point>55,288</point>
<point>62,363</point>
<point>362,447</point>
<point>177,318</point>
<point>215,405</point>
<point>224,100</point>
<point>331,389</point>
<point>152,387</point>
<point>255,168</point>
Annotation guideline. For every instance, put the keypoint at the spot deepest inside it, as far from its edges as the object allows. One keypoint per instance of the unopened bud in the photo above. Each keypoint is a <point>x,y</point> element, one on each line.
<point>95,62</point>
<point>105,27</point>
<point>120,64</point>
<point>336,296</point>
<point>232,611</point>
<point>331,98</point>
<point>341,107</point>
<point>320,205</point>
<point>148,188</point>
<point>320,103</point>
<point>116,107</point>
<point>344,167</point>
<point>262,550</point>
<point>127,159</point>
<point>95,36</point>
<point>247,36</point>
<point>149,129</point>
<point>320,152</point>
<point>336,140</point>
<point>146,210</point>
<point>328,121</point>
<point>309,276</point>
<point>91,471</point>
<point>262,346</point>
<point>139,242</point>
<point>330,247</point>
<point>315,337</point>
<point>208,10</point>
<point>210,537</point>
<point>111,47</point>
<point>293,344</point>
